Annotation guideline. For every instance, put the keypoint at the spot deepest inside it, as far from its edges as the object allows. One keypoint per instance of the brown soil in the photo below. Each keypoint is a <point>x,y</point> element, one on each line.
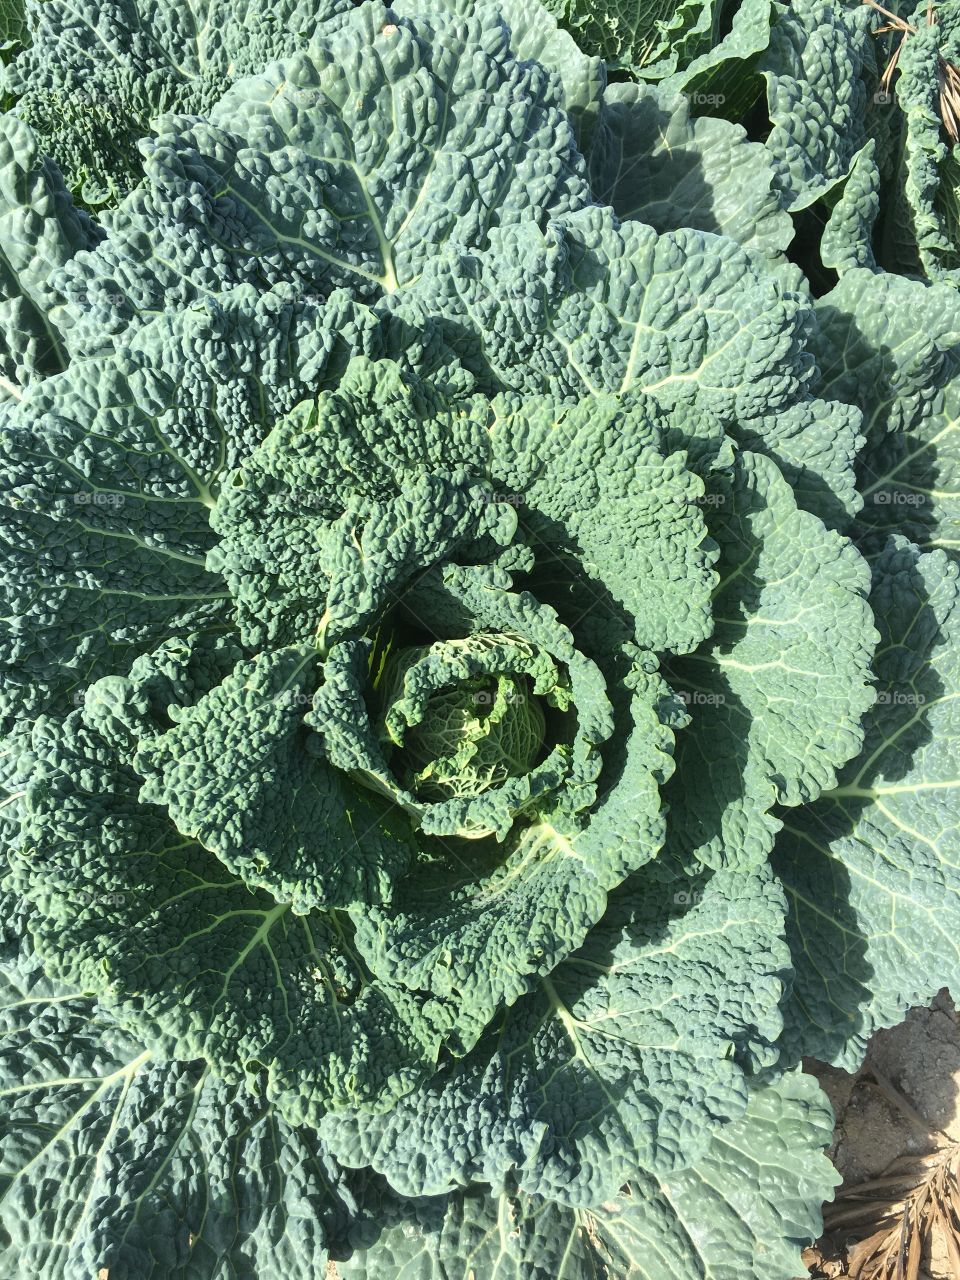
<point>897,1120</point>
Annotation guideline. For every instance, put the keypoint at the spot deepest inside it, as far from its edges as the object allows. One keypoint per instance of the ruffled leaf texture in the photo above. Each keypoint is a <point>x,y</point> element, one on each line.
<point>93,76</point>
<point>885,840</point>
<point>117,1163</point>
<point>875,157</point>
<point>919,230</point>
<point>163,1171</point>
<point>816,96</point>
<point>706,46</point>
<point>360,928</point>
<point>40,230</point>
<point>705,1221</point>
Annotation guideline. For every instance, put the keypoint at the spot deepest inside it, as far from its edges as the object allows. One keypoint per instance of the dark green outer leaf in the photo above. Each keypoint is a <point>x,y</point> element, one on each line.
<point>742,1212</point>
<point>113,1162</point>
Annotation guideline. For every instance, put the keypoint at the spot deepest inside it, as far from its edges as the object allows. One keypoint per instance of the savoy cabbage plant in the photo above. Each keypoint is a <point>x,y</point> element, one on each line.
<point>479,657</point>
<point>857,103</point>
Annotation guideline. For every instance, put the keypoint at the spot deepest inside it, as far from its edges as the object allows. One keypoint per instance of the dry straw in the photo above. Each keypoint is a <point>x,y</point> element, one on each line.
<point>948,77</point>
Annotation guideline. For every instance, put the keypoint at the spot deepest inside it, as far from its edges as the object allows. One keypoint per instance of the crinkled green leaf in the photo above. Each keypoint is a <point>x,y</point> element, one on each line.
<point>882,343</point>
<point>108,473</point>
<point>624,1060</point>
<point>654,162</point>
<point>406,134</point>
<point>723,80</point>
<point>562,469</point>
<point>911,479</point>
<point>115,1162</point>
<point>39,231</point>
<point>95,73</point>
<point>871,868</point>
<point>304,833</point>
<point>741,1212</point>
<point>889,345</point>
<point>920,227</point>
<point>12,26</point>
<point>536,36</point>
<point>190,958</point>
<point>815,445</point>
<point>816,97</point>
<point>777,696</point>
<point>287,519</point>
<point>105,530</point>
<point>651,40</point>
<point>593,307</point>
<point>587,307</point>
<point>603,463</point>
<point>846,241</point>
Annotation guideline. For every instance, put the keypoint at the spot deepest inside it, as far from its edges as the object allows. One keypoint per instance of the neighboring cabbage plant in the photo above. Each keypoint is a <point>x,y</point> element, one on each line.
<point>855,105</point>
<point>91,77</point>
<point>861,125</point>
<point>467,721</point>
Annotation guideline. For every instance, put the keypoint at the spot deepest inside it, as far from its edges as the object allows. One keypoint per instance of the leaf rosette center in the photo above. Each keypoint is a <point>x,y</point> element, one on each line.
<point>461,739</point>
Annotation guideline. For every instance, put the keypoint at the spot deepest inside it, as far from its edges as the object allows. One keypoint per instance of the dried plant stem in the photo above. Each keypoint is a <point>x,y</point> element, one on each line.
<point>906,1211</point>
<point>948,76</point>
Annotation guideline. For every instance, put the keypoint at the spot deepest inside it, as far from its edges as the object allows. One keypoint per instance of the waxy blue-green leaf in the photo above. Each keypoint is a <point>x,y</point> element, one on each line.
<point>870,870</point>
<point>591,307</point>
<point>776,698</point>
<point>888,345</point>
<point>117,1163</point>
<point>40,231</point>
<point>655,162</point>
<point>343,166</point>
<point>194,962</point>
<point>920,222</point>
<point>623,1062</point>
<point>94,74</point>
<point>109,472</point>
<point>707,1222</point>
<point>816,95</point>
